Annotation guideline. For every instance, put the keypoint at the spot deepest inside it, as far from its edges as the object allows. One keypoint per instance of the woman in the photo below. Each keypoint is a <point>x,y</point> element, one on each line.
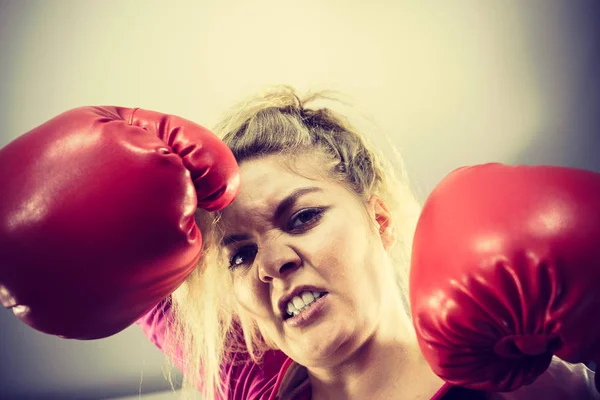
<point>302,289</point>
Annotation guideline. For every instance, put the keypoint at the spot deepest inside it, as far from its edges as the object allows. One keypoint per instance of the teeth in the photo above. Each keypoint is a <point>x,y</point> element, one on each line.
<point>298,303</point>
<point>302,302</point>
<point>291,308</point>
<point>307,298</point>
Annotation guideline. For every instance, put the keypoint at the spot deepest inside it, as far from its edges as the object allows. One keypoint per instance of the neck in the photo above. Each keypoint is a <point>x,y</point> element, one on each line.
<point>388,364</point>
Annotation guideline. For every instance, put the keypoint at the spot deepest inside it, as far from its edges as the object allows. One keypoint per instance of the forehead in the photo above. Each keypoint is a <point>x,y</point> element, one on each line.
<point>265,181</point>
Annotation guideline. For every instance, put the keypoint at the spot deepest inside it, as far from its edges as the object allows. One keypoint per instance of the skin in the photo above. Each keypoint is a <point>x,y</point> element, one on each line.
<point>362,345</point>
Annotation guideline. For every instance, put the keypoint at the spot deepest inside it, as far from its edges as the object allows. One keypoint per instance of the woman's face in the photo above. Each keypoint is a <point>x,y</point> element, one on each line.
<point>302,245</point>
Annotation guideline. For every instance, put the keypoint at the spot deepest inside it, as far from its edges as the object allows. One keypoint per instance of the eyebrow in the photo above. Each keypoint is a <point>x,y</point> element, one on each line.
<point>281,209</point>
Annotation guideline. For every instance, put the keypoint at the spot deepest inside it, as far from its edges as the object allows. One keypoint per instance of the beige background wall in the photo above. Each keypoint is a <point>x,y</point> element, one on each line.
<point>452,83</point>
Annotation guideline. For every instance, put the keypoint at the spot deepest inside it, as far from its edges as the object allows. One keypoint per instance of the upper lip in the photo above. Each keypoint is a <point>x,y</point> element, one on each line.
<point>283,301</point>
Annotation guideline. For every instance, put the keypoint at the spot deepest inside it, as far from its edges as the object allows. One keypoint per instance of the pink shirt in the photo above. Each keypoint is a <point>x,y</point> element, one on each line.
<point>280,378</point>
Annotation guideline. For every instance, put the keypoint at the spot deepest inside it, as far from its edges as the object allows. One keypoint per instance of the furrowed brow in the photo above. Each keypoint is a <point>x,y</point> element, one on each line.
<point>231,239</point>
<point>283,206</point>
<point>291,199</point>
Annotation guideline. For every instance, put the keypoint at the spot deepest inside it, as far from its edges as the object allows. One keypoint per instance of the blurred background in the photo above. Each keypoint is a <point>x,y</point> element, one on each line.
<point>451,83</point>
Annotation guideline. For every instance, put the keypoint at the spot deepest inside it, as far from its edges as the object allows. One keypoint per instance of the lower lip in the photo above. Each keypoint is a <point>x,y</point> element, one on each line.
<point>310,314</point>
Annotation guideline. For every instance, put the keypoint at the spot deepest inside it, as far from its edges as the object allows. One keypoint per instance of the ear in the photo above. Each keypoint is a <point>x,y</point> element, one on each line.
<point>384,223</point>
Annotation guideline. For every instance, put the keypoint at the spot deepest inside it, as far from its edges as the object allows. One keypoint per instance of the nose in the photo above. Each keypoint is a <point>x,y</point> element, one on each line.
<point>277,260</point>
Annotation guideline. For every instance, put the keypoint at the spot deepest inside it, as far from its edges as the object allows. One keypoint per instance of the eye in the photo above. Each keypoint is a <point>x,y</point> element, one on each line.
<point>305,218</point>
<point>242,257</point>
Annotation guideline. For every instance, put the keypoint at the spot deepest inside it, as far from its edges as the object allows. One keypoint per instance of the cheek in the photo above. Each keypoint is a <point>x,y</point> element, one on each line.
<point>355,253</point>
<point>348,244</point>
<point>250,297</point>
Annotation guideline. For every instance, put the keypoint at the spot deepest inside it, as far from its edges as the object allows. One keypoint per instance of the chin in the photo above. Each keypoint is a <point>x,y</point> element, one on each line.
<point>324,346</point>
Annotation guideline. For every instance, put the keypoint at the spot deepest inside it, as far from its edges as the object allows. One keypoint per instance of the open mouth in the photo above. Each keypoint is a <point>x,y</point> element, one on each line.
<point>301,303</point>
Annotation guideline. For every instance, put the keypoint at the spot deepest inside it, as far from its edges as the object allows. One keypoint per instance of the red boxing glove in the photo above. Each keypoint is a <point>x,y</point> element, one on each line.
<point>506,273</point>
<point>97,216</point>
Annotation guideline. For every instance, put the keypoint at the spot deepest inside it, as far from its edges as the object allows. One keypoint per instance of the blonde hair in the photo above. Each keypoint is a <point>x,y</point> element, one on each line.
<point>205,323</point>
